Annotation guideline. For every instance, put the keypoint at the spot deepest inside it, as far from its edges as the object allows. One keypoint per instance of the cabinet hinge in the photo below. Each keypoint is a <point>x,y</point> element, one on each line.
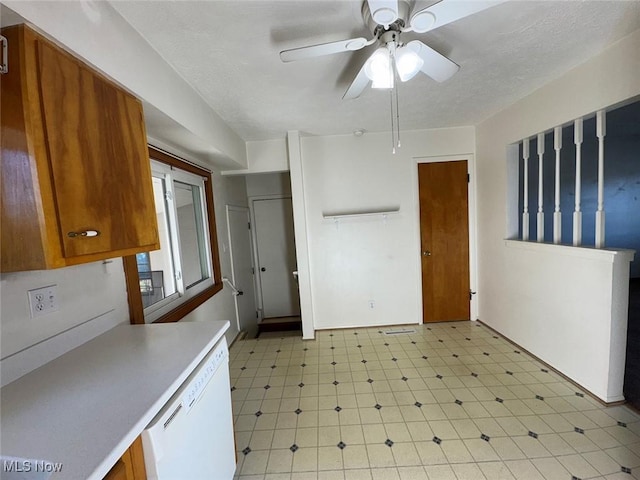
<point>4,65</point>
<point>168,196</point>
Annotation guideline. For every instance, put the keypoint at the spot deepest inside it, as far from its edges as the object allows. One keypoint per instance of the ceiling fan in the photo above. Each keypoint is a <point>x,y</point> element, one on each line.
<point>388,20</point>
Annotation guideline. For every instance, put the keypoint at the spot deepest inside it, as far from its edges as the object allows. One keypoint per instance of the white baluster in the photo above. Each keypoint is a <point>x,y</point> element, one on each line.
<point>525,200</point>
<point>540,216</point>
<point>557,216</point>
<point>577,214</point>
<point>601,131</point>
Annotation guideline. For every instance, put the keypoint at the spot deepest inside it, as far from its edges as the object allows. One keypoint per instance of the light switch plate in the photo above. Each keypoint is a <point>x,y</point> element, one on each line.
<point>43,301</point>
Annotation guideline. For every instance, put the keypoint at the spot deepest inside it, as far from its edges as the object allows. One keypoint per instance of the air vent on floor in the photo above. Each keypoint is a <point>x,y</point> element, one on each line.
<point>400,331</point>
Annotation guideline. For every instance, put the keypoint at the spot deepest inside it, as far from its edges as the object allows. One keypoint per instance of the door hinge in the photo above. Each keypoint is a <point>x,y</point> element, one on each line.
<point>257,316</point>
<point>4,65</point>
<point>253,271</point>
<point>249,225</point>
<point>471,294</point>
<point>468,178</point>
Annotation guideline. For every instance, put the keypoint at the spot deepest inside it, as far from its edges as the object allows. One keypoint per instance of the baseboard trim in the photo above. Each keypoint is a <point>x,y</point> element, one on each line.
<point>554,370</point>
<point>239,336</point>
<point>383,325</point>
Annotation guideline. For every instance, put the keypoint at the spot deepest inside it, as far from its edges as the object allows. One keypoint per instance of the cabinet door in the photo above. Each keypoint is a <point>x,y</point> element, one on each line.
<point>99,162</point>
<point>118,472</point>
<point>131,465</point>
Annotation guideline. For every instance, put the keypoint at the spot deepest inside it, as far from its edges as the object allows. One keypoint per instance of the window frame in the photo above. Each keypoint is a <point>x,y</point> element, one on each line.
<point>185,304</point>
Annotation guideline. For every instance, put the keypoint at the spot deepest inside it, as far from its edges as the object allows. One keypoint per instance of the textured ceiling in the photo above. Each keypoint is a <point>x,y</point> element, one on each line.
<point>228,51</point>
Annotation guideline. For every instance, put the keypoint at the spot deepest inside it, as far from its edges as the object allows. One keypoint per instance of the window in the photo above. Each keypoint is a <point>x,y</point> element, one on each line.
<point>166,284</point>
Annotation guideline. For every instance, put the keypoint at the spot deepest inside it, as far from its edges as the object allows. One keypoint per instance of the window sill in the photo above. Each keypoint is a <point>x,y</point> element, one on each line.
<point>182,310</point>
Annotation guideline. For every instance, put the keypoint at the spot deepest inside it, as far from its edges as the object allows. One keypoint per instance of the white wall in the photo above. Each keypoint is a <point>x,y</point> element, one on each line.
<point>268,184</point>
<point>301,233</point>
<point>92,298</point>
<point>364,259</point>
<point>512,298</point>
<point>264,157</point>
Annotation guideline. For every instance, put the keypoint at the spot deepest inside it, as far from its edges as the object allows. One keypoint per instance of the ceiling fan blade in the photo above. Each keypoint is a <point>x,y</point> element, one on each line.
<point>435,65</point>
<point>447,11</point>
<point>383,12</point>
<point>358,84</point>
<point>330,48</point>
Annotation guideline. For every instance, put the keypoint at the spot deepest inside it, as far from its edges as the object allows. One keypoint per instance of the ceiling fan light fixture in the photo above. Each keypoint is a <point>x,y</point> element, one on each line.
<point>379,69</point>
<point>408,62</point>
<point>422,21</point>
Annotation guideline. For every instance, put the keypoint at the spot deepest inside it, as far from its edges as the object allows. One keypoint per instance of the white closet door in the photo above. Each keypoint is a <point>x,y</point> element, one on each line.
<point>241,264</point>
<point>275,243</point>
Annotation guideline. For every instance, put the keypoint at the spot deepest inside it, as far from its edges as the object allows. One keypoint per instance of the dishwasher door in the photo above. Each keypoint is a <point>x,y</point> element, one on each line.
<point>192,436</point>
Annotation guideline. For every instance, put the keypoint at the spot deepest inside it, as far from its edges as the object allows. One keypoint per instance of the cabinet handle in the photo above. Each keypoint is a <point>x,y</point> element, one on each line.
<point>86,233</point>
<point>4,66</point>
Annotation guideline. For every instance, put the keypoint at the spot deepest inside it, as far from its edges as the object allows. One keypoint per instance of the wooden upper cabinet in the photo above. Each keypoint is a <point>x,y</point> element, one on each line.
<point>76,180</point>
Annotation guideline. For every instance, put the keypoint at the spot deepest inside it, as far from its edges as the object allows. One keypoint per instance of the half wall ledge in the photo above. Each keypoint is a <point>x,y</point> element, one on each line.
<point>623,254</point>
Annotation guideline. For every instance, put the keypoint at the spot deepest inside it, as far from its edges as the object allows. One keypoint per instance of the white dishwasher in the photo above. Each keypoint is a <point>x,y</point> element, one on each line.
<point>191,438</point>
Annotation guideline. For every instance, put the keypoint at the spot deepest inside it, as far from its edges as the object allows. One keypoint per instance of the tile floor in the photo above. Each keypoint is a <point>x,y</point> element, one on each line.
<point>450,401</point>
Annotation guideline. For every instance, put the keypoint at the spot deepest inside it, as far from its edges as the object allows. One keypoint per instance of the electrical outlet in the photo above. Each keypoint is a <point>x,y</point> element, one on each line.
<point>43,300</point>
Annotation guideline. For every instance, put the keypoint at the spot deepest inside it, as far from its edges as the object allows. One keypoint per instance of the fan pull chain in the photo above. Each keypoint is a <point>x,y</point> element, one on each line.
<point>392,74</point>
<point>395,87</point>
<point>394,103</point>
<point>393,140</point>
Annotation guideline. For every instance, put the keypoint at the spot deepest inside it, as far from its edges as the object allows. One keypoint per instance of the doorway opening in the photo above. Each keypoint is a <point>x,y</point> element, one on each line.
<point>275,260</point>
<point>263,257</point>
<point>274,253</point>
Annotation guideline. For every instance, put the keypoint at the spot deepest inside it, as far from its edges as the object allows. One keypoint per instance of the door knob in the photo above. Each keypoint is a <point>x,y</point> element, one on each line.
<point>263,269</point>
<point>426,253</point>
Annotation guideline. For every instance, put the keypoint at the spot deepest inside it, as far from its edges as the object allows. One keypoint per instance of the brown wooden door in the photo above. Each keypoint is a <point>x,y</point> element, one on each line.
<point>99,162</point>
<point>444,233</point>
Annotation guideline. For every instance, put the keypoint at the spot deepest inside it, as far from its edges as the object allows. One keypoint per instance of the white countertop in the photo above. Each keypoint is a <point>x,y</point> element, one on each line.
<point>86,407</point>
